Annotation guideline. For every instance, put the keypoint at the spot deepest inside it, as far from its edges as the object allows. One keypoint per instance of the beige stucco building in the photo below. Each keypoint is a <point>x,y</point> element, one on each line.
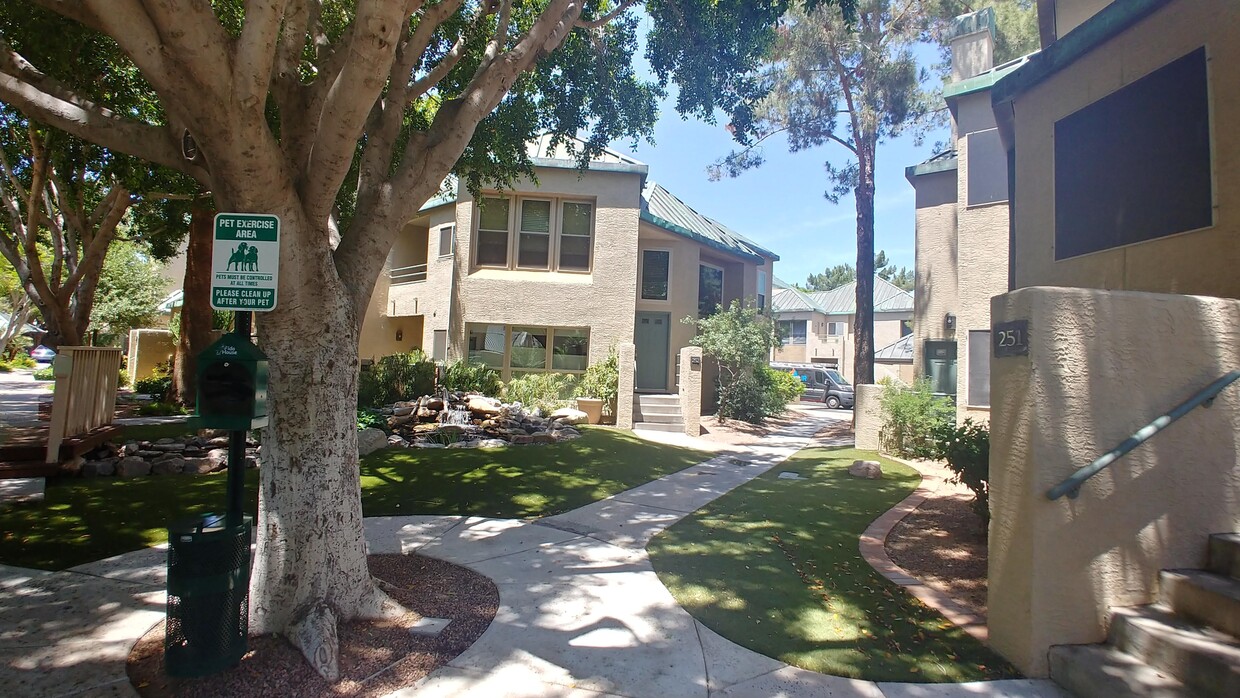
<point>818,328</point>
<point>962,228</point>
<point>1122,149</point>
<point>551,276</point>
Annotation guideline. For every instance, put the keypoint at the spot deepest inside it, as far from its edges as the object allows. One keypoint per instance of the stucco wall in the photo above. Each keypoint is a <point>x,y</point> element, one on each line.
<point>1202,262</point>
<point>1100,366</point>
<point>1069,14</point>
<point>937,290</point>
<point>147,348</point>
<point>601,300</point>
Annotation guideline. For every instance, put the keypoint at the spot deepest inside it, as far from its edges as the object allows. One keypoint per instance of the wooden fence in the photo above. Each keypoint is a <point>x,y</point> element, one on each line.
<point>85,397</point>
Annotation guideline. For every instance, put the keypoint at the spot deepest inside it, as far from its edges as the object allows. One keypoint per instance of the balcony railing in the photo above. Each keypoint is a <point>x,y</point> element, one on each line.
<point>412,274</point>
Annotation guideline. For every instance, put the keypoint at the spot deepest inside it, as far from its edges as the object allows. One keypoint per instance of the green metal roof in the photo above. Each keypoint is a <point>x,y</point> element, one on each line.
<point>983,81</point>
<point>791,300</point>
<point>940,162</point>
<point>842,300</point>
<point>662,209</point>
<point>899,351</point>
<point>1108,23</point>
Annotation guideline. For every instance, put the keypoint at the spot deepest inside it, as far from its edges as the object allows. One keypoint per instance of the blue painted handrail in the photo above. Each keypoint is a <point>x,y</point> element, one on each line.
<point>1072,486</point>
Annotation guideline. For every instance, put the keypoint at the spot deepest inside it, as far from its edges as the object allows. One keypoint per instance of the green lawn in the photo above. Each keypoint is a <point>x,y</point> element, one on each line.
<point>774,566</point>
<point>88,519</point>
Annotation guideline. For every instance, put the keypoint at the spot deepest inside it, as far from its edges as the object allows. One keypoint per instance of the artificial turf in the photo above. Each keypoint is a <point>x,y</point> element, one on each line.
<point>775,566</point>
<point>82,520</point>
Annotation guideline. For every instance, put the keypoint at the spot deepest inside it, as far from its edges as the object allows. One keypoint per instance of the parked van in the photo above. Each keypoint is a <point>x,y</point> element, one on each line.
<point>822,384</point>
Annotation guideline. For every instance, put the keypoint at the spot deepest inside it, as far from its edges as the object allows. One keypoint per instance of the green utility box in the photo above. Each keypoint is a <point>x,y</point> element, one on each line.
<point>232,385</point>
<point>208,595</point>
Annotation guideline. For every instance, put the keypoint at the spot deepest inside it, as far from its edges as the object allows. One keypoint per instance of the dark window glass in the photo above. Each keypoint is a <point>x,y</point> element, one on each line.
<point>654,274</point>
<point>710,290</point>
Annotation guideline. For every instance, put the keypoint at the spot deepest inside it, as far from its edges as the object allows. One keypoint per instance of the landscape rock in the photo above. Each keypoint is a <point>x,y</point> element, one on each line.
<point>73,466</point>
<point>483,405</point>
<point>543,438</point>
<point>168,448</point>
<point>397,441</point>
<point>95,468</point>
<point>218,457</point>
<point>130,449</point>
<point>402,411</point>
<point>568,415</point>
<point>433,404</point>
<point>149,454</point>
<point>199,466</point>
<point>867,469</point>
<point>168,465</point>
<point>370,440</point>
<point>133,466</point>
<point>491,443</point>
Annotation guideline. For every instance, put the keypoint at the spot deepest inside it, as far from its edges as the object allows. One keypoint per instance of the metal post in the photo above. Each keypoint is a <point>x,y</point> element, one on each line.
<point>237,440</point>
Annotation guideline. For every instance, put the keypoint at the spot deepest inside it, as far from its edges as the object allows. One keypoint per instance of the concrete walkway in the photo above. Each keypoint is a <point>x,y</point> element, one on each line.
<point>19,398</point>
<point>581,614</point>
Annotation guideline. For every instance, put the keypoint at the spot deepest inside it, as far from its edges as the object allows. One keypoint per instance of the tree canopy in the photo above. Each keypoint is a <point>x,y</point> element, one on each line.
<point>840,274</point>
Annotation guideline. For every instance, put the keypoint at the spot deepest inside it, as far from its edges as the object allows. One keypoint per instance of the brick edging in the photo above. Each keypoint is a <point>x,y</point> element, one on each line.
<point>874,550</point>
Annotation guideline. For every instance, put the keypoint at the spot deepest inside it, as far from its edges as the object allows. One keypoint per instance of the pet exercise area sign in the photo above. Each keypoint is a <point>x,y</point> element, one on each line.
<point>245,261</point>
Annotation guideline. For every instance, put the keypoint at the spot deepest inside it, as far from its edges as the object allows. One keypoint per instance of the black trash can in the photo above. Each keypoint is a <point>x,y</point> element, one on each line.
<point>208,595</point>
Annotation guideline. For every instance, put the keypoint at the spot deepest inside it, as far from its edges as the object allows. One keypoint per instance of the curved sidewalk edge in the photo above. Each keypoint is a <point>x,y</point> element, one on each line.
<point>874,550</point>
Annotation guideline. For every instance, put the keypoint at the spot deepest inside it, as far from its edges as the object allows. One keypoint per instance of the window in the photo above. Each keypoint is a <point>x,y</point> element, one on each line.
<point>518,349</point>
<point>534,240</point>
<point>1135,165</point>
<point>550,235</point>
<point>987,168</point>
<point>792,331</point>
<point>575,235</point>
<point>493,232</point>
<point>710,289</point>
<point>836,329</point>
<point>439,345</point>
<point>979,368</point>
<point>656,265</point>
<point>446,234</point>
<point>906,328</point>
<point>761,290</point>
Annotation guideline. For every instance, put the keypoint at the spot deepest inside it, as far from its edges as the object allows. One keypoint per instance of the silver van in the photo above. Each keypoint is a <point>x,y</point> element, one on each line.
<point>822,384</point>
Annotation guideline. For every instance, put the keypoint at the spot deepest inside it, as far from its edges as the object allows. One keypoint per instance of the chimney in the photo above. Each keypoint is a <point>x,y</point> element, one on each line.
<point>972,38</point>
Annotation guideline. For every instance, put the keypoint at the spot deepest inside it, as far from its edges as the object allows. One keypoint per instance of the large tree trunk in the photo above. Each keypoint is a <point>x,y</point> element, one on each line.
<point>196,314</point>
<point>311,563</point>
<point>863,332</point>
<point>61,325</point>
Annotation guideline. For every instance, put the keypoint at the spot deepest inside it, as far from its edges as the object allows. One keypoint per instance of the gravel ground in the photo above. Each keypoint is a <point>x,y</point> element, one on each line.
<point>943,544</point>
<point>376,658</point>
<point>738,433</point>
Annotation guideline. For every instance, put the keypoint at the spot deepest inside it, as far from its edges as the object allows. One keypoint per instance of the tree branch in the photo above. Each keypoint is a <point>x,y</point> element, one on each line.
<point>607,18</point>
<point>255,54</point>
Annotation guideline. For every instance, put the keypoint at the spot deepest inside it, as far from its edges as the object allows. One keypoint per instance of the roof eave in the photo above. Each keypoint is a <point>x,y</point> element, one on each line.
<point>702,239</point>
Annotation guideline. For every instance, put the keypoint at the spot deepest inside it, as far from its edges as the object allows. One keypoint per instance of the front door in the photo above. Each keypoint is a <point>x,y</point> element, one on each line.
<point>941,366</point>
<point>651,339</point>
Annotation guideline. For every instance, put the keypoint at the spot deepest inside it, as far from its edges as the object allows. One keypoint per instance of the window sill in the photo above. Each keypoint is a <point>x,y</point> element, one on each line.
<point>532,275</point>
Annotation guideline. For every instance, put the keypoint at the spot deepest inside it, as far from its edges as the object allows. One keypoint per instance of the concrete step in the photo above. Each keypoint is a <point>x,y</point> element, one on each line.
<point>1203,659</point>
<point>1202,597</point>
<point>656,400</point>
<point>1224,554</point>
<point>660,426</point>
<point>1098,671</point>
<point>658,409</point>
<point>647,417</point>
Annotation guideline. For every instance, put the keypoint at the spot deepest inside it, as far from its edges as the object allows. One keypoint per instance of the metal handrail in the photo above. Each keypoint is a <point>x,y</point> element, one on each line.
<point>1204,397</point>
<point>409,274</point>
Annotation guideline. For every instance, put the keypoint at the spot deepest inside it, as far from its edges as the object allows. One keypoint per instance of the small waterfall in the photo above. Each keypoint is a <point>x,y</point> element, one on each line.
<point>456,415</point>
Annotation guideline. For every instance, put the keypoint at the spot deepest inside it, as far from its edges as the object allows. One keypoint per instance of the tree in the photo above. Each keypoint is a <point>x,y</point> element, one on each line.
<point>342,118</point>
<point>16,306</point>
<point>130,288</point>
<point>852,85</point>
<point>902,277</point>
<point>739,338</point>
<point>840,274</point>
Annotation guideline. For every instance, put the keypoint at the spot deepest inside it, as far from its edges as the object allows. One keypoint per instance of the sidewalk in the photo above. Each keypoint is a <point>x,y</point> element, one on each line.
<point>581,614</point>
<point>19,398</point>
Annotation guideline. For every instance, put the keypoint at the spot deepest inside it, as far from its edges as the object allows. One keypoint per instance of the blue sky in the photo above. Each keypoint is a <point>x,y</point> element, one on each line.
<point>781,205</point>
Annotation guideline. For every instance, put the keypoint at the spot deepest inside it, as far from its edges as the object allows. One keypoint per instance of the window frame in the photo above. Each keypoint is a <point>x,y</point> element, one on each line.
<point>722,284</point>
<point>978,348</point>
<point>761,294</point>
<point>555,233</point>
<point>507,370</point>
<point>843,327</point>
<point>792,336</point>
<point>450,229</point>
<point>641,275</point>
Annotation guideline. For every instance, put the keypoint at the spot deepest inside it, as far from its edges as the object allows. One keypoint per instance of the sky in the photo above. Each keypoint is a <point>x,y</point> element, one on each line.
<point>780,205</point>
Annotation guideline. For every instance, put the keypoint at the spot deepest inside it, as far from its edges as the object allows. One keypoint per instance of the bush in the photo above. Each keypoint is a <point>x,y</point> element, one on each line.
<point>396,377</point>
<point>781,388</point>
<point>23,361</point>
<point>910,418</point>
<point>966,448</point>
<point>602,380</point>
<point>160,408</point>
<point>545,391</point>
<point>370,418</point>
<point>740,338</point>
<point>122,378</point>
<point>744,398</point>
<point>5,367</point>
<point>466,376</point>
<point>156,386</point>
<point>44,374</point>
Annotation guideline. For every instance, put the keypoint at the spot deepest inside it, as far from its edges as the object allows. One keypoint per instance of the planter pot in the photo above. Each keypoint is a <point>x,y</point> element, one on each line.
<point>593,407</point>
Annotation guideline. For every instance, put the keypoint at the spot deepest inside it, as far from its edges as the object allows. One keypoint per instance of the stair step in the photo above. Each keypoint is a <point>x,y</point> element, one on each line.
<point>659,409</point>
<point>1202,597</point>
<point>1098,671</point>
<point>1225,554</point>
<point>645,400</point>
<point>661,418</point>
<point>660,426</point>
<point>1203,659</point>
<point>10,470</point>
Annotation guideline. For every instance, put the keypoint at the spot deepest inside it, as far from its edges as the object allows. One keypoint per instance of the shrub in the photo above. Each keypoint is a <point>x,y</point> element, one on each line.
<point>966,448</point>
<point>23,361</point>
<point>744,398</point>
<point>160,409</point>
<point>44,374</point>
<point>910,417</point>
<point>782,388</point>
<point>122,378</point>
<point>370,418</point>
<point>396,377</point>
<point>468,376</point>
<point>5,367</point>
<point>602,380</point>
<point>545,391</point>
<point>156,386</point>
<point>740,338</point>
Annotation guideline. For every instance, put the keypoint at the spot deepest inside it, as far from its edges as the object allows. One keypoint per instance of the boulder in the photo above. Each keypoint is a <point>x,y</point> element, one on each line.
<point>868,469</point>
<point>403,411</point>
<point>522,440</point>
<point>218,457</point>
<point>483,405</point>
<point>427,413</point>
<point>433,403</point>
<point>565,435</point>
<point>133,466</point>
<point>73,466</point>
<point>370,440</point>
<point>198,466</point>
<point>165,441</point>
<point>543,438</point>
<point>568,415</point>
<point>251,462</point>
<point>462,444</point>
<point>168,448</point>
<point>168,465</point>
<point>130,449</point>
<point>149,454</point>
<point>397,441</point>
<point>94,468</point>
<point>428,444</point>
<point>491,443</point>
